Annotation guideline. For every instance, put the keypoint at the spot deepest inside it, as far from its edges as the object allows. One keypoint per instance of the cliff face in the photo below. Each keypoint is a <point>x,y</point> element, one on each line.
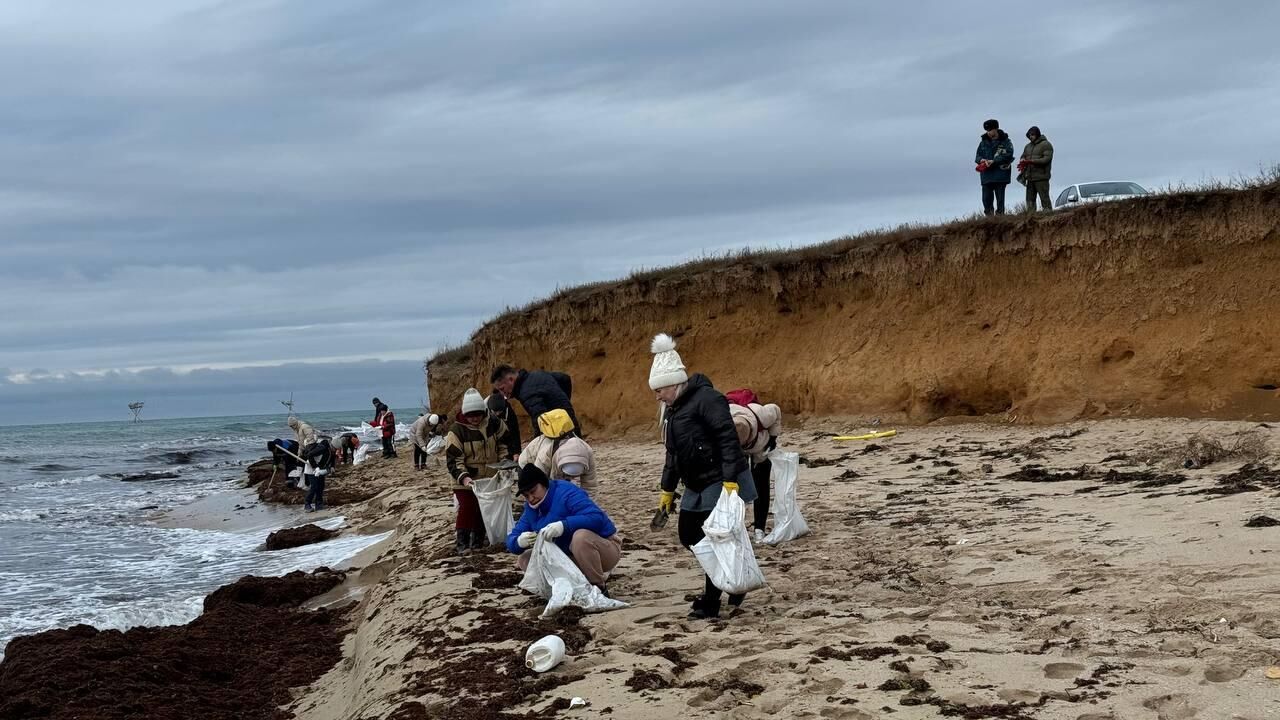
<point>1161,306</point>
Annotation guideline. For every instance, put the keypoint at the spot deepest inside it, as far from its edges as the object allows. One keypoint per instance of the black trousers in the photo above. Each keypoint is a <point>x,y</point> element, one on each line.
<point>690,529</point>
<point>388,450</point>
<point>993,198</point>
<point>1038,189</point>
<point>315,492</point>
<point>760,473</point>
<point>419,456</point>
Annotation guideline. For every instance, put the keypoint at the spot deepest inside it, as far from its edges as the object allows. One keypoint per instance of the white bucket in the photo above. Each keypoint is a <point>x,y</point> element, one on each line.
<point>545,654</point>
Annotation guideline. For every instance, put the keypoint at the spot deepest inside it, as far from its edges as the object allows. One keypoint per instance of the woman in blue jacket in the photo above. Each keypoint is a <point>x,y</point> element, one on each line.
<point>560,511</point>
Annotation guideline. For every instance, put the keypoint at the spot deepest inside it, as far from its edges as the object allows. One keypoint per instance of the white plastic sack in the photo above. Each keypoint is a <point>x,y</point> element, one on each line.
<point>435,445</point>
<point>362,453</point>
<point>551,574</point>
<point>494,495</point>
<point>787,522</point>
<point>725,553</point>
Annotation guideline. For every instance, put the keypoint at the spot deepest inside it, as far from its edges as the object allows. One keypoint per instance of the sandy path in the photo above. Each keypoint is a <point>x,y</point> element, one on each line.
<point>929,573</point>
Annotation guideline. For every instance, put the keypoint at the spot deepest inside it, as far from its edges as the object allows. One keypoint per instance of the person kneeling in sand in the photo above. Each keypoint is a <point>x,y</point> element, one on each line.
<point>560,511</point>
<point>561,454</point>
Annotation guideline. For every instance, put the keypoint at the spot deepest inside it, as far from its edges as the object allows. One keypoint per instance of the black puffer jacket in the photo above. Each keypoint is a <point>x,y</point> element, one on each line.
<point>540,391</point>
<point>702,444</point>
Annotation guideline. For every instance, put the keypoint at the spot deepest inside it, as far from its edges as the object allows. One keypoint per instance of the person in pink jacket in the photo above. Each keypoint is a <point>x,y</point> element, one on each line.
<point>758,427</point>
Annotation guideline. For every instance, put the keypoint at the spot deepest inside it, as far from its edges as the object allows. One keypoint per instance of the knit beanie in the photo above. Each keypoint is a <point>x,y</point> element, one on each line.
<point>433,419</point>
<point>530,476</point>
<point>473,402</point>
<point>668,368</point>
<point>990,125</point>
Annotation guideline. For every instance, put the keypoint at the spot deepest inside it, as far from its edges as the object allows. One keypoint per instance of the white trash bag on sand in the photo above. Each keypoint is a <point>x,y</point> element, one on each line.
<point>362,453</point>
<point>787,522</point>
<point>551,574</point>
<point>494,495</point>
<point>435,445</point>
<point>725,553</point>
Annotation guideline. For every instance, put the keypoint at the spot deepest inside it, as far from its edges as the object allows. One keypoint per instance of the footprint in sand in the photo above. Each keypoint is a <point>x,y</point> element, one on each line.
<point>982,571</point>
<point>1170,707</point>
<point>1222,673</point>
<point>1063,671</point>
<point>1018,696</point>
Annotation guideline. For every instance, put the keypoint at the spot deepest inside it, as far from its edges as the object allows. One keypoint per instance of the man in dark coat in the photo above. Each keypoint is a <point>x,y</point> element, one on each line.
<point>994,156</point>
<point>538,391</point>
<point>501,409</point>
<point>1035,169</point>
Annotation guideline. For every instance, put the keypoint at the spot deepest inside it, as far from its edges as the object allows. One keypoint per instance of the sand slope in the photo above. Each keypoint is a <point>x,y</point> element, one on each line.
<point>1110,596</point>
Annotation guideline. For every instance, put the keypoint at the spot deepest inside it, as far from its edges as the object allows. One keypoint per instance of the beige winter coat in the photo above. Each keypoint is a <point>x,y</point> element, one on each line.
<point>551,459</point>
<point>303,433</point>
<point>420,431</point>
<point>747,421</point>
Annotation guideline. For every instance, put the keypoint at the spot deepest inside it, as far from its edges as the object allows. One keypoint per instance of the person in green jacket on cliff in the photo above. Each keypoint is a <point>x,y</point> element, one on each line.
<point>1034,169</point>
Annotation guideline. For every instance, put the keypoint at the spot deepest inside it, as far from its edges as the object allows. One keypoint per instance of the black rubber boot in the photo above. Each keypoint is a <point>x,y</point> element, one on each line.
<point>463,543</point>
<point>479,540</point>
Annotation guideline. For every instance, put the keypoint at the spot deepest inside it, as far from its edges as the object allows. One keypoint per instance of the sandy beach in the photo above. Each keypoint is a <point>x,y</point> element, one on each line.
<point>972,570</point>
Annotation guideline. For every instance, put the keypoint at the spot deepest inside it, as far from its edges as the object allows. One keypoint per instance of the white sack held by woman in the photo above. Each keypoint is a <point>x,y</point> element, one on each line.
<point>553,575</point>
<point>725,553</point>
<point>787,522</point>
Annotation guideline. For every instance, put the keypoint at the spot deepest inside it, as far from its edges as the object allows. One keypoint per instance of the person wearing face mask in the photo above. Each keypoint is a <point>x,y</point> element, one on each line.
<point>561,512</point>
<point>559,453</point>
<point>703,453</point>
<point>476,442</point>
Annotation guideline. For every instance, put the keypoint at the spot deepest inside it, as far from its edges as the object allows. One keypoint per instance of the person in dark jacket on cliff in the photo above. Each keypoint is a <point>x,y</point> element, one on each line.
<point>562,512</point>
<point>1035,168</point>
<point>538,391</point>
<point>702,452</point>
<point>994,159</point>
<point>501,409</point>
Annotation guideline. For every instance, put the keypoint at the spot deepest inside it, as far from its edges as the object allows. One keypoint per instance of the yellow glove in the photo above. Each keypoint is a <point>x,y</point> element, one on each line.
<point>667,501</point>
<point>730,486</point>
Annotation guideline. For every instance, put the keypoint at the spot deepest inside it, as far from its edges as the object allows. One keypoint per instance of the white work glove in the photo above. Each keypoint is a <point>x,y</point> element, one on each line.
<point>526,539</point>
<point>552,531</point>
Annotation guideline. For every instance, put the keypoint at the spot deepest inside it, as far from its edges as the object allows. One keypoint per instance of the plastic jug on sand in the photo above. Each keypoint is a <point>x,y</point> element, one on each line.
<point>545,654</point>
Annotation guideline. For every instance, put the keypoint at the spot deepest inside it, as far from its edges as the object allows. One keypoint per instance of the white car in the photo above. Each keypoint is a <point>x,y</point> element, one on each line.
<point>1099,192</point>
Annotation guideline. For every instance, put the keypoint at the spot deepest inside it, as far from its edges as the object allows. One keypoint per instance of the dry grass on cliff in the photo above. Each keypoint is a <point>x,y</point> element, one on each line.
<point>907,233</point>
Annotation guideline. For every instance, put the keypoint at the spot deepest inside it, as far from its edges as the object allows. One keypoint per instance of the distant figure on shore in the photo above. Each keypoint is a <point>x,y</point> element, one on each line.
<point>377,413</point>
<point>500,408</point>
<point>1035,169</point>
<point>994,159</point>
<point>302,431</point>
<point>282,458</point>
<point>420,433</point>
<point>387,421</point>
<point>560,454</point>
<point>702,452</point>
<point>561,512</point>
<point>758,426</point>
<point>320,460</point>
<point>538,391</point>
<point>476,442</point>
<point>345,446</point>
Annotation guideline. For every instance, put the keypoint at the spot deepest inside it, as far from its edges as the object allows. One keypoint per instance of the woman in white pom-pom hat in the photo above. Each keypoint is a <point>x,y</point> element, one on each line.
<point>702,452</point>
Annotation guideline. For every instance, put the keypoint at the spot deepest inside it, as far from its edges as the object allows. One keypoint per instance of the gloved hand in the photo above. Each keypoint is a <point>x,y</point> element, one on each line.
<point>667,501</point>
<point>552,531</point>
<point>730,486</point>
<point>526,539</point>
<point>466,481</point>
<point>772,444</point>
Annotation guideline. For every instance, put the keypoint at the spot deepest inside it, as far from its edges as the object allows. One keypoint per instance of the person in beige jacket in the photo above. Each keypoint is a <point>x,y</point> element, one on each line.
<point>420,433</point>
<point>758,428</point>
<point>560,454</point>
<point>303,432</point>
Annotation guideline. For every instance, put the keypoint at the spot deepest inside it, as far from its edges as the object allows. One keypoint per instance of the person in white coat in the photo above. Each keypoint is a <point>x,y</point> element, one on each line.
<point>758,428</point>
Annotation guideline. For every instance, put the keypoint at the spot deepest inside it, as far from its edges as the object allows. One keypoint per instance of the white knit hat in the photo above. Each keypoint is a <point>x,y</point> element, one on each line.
<point>668,368</point>
<point>473,402</point>
<point>433,419</point>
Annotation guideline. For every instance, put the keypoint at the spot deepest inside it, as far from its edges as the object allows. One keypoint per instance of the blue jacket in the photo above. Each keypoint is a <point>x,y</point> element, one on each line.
<point>566,503</point>
<point>1000,153</point>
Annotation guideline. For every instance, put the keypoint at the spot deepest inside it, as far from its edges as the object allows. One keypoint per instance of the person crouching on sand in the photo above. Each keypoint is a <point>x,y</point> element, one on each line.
<point>559,511</point>
<point>702,452</point>
<point>476,442</point>
<point>345,445</point>
<point>561,454</point>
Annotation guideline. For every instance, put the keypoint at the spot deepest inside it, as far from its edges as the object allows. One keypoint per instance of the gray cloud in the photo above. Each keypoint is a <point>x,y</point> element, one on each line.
<point>191,183</point>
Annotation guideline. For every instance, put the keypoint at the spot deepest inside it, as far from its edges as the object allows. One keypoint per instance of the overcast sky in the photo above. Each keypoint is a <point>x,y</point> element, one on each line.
<point>207,205</point>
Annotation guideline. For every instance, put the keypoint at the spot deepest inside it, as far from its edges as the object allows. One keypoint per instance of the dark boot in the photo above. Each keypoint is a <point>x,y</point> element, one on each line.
<point>479,540</point>
<point>702,610</point>
<point>463,543</point>
<point>736,600</point>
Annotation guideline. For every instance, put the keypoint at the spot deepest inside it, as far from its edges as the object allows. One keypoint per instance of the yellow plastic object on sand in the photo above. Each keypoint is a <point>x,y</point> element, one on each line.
<point>868,436</point>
